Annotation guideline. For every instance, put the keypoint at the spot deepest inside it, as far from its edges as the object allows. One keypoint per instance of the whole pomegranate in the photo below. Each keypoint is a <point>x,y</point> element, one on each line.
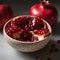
<point>46,11</point>
<point>5,14</point>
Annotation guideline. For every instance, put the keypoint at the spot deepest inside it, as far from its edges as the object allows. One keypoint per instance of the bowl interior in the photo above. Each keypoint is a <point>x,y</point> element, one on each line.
<point>4,30</point>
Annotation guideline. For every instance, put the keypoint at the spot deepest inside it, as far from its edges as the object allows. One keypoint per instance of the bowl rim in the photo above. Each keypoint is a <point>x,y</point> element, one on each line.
<point>10,38</point>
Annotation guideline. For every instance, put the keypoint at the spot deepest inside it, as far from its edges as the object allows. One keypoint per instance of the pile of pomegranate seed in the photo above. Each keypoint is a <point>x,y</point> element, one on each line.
<point>20,28</point>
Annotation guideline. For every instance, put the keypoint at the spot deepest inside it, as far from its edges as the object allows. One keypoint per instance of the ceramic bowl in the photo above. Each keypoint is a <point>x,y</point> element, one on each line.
<point>27,46</point>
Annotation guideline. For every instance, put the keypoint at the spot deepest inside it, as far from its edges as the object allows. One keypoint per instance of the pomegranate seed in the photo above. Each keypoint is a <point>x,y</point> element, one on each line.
<point>9,31</point>
<point>53,46</point>
<point>25,35</point>
<point>58,41</point>
<point>42,32</point>
<point>37,58</point>
<point>49,58</point>
<point>36,23</point>
<point>51,51</point>
<point>37,31</point>
<point>56,50</point>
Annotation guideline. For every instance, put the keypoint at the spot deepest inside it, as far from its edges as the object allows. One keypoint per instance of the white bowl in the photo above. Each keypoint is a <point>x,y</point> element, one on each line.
<point>27,46</point>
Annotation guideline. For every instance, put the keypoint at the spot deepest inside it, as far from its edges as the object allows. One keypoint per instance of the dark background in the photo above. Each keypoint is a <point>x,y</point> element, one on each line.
<point>21,7</point>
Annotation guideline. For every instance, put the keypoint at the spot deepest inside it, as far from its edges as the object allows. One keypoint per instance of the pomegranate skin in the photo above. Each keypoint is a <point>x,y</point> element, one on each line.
<point>6,13</point>
<point>48,12</point>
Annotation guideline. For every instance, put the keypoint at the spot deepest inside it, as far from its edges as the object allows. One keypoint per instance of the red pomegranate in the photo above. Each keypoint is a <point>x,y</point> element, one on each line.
<point>45,10</point>
<point>5,14</point>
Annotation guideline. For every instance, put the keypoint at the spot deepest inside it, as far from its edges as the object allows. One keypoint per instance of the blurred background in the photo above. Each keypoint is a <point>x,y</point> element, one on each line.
<point>21,7</point>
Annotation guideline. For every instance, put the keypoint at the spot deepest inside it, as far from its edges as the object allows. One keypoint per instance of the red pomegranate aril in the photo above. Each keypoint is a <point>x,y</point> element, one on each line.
<point>9,31</point>
<point>53,46</point>
<point>25,35</point>
<point>58,41</point>
<point>24,22</point>
<point>37,32</point>
<point>42,31</point>
<point>32,28</point>
<point>51,50</point>
<point>8,25</point>
<point>15,28</point>
<point>38,24</point>
<point>46,30</point>
<point>21,22</point>
<point>49,58</point>
<point>27,28</point>
<point>37,58</point>
<point>56,50</point>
